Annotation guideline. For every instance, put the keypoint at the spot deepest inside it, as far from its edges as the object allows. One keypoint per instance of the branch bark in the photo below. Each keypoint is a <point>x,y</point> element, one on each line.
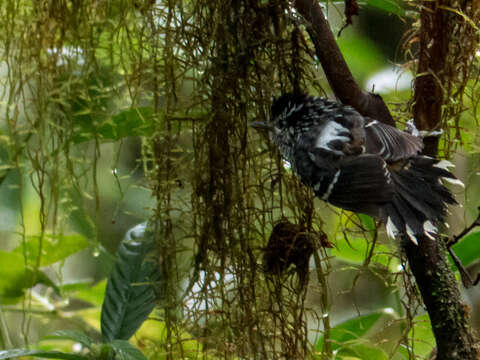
<point>336,70</point>
<point>428,261</point>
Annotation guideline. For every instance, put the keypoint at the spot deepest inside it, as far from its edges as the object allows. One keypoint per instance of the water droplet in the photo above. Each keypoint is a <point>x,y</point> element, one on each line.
<point>114,171</point>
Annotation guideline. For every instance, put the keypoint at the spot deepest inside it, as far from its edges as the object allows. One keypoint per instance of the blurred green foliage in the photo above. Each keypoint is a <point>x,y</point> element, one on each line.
<point>90,144</point>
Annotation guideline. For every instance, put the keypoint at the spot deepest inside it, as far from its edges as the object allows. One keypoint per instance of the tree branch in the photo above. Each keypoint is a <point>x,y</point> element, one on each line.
<point>428,261</point>
<point>336,70</point>
<point>440,294</point>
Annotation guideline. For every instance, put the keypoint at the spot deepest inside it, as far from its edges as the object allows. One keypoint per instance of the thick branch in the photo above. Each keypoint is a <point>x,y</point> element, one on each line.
<point>433,275</point>
<point>431,63</point>
<point>336,70</point>
<point>427,261</point>
<point>438,287</point>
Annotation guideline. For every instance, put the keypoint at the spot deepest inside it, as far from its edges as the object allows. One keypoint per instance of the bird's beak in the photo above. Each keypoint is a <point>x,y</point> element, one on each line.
<point>261,125</point>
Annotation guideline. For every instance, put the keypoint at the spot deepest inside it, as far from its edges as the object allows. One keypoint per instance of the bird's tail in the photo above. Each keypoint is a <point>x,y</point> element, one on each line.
<point>420,201</point>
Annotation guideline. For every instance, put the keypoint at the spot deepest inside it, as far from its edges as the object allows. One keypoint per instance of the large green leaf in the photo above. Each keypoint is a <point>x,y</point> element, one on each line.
<point>130,296</point>
<point>13,353</point>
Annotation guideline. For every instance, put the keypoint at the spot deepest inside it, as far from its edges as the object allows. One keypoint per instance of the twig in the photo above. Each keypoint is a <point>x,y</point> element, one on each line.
<point>467,280</point>
<point>456,238</point>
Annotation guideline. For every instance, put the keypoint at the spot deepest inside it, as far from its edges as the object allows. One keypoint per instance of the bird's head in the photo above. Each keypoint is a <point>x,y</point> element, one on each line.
<point>287,113</point>
<point>288,110</point>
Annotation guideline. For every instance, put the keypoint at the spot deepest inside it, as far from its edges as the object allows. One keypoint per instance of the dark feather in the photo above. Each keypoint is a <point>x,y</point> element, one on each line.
<point>362,165</point>
<point>389,142</point>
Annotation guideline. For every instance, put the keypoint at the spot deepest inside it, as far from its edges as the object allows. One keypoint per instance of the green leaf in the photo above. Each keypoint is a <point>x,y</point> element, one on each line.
<point>126,351</point>
<point>468,249</point>
<point>54,248</point>
<point>368,223</point>
<point>86,292</point>
<point>130,296</point>
<point>76,336</point>
<point>16,277</point>
<point>355,251</point>
<point>13,353</point>
<point>422,336</point>
<point>350,330</point>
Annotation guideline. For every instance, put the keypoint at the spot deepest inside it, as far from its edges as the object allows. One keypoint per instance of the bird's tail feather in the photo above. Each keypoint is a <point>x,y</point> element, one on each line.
<point>420,200</point>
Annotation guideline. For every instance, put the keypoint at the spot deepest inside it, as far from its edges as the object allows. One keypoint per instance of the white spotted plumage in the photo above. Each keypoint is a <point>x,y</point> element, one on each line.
<point>362,165</point>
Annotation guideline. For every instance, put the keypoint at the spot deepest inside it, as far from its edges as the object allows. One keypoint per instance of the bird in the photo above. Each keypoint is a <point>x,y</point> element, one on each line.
<point>362,165</point>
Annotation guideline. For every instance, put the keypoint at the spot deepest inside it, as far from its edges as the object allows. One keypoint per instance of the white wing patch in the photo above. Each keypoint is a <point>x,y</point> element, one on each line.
<point>330,132</point>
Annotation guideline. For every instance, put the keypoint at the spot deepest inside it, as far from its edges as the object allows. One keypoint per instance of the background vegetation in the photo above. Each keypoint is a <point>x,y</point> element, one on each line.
<point>119,112</point>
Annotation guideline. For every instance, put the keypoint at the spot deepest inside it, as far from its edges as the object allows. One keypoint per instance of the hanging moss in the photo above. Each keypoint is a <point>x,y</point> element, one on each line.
<point>187,77</point>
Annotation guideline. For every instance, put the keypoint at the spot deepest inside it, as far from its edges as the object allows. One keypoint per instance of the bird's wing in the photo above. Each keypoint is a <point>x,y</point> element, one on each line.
<point>357,183</point>
<point>390,143</point>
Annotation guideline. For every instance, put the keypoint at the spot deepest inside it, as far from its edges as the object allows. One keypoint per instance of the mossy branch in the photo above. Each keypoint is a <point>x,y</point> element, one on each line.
<point>336,70</point>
